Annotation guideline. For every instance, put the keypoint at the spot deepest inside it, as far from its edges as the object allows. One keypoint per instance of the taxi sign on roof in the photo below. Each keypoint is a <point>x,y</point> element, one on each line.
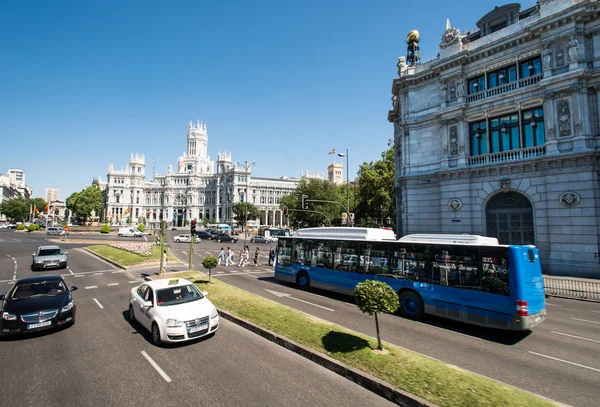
<point>173,281</point>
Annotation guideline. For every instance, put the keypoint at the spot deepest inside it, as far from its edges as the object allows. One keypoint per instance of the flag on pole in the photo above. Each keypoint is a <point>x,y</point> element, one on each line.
<point>47,207</point>
<point>126,211</point>
<point>36,210</point>
<point>332,151</point>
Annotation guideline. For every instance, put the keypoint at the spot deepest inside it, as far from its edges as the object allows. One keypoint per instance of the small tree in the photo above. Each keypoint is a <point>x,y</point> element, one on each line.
<point>373,297</point>
<point>21,226</point>
<point>31,228</point>
<point>141,227</point>
<point>209,262</point>
<point>105,229</point>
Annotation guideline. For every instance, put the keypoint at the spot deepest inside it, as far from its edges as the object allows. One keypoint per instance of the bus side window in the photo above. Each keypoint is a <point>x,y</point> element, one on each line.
<point>495,273</point>
<point>284,256</point>
<point>415,263</point>
<point>455,266</point>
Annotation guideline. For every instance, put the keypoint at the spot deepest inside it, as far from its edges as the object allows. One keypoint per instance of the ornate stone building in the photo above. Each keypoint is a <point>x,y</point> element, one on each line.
<point>199,189</point>
<point>498,135</point>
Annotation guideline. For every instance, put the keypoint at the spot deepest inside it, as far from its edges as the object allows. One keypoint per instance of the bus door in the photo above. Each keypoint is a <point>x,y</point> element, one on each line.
<point>526,280</point>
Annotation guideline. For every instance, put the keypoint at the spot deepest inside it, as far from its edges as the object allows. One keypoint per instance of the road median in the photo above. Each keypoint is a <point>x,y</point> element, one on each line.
<point>401,376</point>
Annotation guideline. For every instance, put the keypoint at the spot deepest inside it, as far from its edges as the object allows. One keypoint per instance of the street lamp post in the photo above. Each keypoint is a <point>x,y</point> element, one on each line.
<point>347,187</point>
<point>247,165</point>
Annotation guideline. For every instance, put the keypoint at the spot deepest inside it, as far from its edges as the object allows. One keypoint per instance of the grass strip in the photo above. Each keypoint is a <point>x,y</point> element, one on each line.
<point>440,383</point>
<point>127,258</point>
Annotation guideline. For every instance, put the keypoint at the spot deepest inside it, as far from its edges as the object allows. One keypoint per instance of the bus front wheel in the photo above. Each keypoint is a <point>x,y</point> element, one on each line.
<point>303,281</point>
<point>411,305</point>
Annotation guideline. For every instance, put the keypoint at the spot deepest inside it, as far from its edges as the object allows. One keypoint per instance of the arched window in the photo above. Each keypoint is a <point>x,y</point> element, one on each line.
<point>509,218</point>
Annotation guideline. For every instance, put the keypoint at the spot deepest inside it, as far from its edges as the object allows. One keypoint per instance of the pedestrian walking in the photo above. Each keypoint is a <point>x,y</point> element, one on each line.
<point>222,256</point>
<point>165,260</point>
<point>242,258</point>
<point>256,254</point>
<point>271,256</point>
<point>229,256</point>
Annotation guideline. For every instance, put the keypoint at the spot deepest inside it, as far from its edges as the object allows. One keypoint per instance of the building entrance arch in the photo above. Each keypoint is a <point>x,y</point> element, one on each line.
<point>509,218</point>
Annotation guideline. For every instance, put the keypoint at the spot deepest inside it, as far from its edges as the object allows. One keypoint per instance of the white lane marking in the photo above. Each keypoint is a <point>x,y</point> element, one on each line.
<point>279,294</point>
<point>112,284</point>
<point>11,282</point>
<point>70,271</point>
<point>184,253</point>
<point>16,240</point>
<point>90,287</point>
<point>88,272</point>
<point>565,361</point>
<point>586,320</point>
<point>134,281</point>
<point>553,305</point>
<point>595,311</point>
<point>576,337</point>
<point>98,302</point>
<point>220,272</point>
<point>79,275</point>
<point>145,238</point>
<point>209,252</point>
<point>155,366</point>
<point>118,271</point>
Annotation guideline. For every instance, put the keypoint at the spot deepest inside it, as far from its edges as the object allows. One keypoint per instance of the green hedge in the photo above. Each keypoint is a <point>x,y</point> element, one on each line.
<point>105,229</point>
<point>141,227</point>
<point>21,226</point>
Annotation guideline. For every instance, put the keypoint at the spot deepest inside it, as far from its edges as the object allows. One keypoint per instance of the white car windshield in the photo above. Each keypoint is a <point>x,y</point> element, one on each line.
<point>177,295</point>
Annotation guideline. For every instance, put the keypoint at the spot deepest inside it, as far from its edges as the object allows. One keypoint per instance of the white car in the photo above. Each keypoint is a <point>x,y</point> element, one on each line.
<point>185,238</point>
<point>173,310</point>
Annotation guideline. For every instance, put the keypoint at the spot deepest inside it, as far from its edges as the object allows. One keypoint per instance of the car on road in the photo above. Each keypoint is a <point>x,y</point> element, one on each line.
<point>37,303</point>
<point>49,257</point>
<point>12,225</point>
<point>261,239</point>
<point>224,237</point>
<point>53,230</point>
<point>172,310</point>
<point>185,238</point>
<point>130,232</point>
<point>3,226</point>
<point>203,234</point>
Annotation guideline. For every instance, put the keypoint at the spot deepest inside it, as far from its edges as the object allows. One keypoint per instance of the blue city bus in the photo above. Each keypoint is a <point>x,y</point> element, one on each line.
<point>467,278</point>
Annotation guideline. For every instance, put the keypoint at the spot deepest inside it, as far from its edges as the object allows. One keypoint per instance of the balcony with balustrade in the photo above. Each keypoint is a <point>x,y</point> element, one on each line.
<point>508,87</point>
<point>506,156</point>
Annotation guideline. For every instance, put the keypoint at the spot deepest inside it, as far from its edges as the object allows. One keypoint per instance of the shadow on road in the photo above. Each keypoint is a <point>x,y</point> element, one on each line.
<point>343,342</point>
<point>489,334</point>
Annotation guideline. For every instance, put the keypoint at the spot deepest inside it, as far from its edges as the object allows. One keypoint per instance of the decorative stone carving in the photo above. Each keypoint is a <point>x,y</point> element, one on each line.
<point>401,65</point>
<point>578,128</point>
<point>547,57</point>
<point>569,199</point>
<point>450,36</point>
<point>454,204</point>
<point>505,185</point>
<point>564,118</point>
<point>572,49</point>
<point>452,92</point>
<point>453,140</point>
<point>560,55</point>
<point>551,133</point>
<point>443,90</point>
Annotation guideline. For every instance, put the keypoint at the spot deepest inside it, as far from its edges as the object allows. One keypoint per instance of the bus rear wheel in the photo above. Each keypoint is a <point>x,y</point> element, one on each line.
<point>411,305</point>
<point>303,280</point>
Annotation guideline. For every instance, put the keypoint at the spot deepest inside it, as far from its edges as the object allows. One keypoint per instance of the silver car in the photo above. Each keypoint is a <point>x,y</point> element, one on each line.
<point>49,257</point>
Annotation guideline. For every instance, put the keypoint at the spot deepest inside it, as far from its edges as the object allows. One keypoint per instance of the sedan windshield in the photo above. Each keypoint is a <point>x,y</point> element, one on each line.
<point>177,295</point>
<point>50,252</point>
<point>38,289</point>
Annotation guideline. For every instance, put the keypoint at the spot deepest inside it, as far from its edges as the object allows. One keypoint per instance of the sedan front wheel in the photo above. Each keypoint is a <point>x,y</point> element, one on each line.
<point>156,334</point>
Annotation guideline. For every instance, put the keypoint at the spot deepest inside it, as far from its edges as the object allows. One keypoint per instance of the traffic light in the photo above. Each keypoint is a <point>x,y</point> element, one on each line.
<point>285,211</point>
<point>304,203</point>
<point>193,226</point>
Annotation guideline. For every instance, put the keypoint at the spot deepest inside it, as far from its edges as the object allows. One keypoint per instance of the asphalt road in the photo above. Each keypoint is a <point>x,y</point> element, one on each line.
<point>559,359</point>
<point>104,360</point>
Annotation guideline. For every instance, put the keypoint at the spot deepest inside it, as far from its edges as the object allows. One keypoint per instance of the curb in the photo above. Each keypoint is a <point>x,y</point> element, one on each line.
<point>363,379</point>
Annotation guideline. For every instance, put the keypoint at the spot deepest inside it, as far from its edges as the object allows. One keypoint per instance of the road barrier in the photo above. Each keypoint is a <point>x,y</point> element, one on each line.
<point>572,288</point>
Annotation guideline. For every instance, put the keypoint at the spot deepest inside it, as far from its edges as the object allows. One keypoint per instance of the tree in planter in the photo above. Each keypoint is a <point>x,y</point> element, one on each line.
<point>141,227</point>
<point>20,226</point>
<point>373,297</point>
<point>209,263</point>
<point>105,229</point>
<point>31,228</point>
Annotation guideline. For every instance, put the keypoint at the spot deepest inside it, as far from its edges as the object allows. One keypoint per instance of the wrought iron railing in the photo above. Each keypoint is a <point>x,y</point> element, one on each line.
<point>572,288</point>
<point>506,156</point>
<point>521,83</point>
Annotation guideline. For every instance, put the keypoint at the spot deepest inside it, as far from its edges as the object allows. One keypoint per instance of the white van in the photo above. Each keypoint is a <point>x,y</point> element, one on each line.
<point>129,232</point>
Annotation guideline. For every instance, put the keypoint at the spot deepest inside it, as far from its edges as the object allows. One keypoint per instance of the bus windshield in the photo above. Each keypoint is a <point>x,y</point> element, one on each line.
<point>468,278</point>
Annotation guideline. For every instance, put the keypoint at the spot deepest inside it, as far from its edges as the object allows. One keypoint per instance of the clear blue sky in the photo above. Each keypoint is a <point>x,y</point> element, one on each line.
<point>85,83</point>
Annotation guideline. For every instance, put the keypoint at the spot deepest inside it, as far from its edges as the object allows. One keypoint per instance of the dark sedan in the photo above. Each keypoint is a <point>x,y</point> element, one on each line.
<point>35,304</point>
<point>205,235</point>
<point>224,237</point>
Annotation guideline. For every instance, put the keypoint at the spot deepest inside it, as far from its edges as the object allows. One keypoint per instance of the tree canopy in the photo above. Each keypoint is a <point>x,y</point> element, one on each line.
<point>376,197</point>
<point>243,211</point>
<point>316,213</point>
<point>84,202</point>
<point>16,209</point>
<point>373,297</point>
<point>39,203</point>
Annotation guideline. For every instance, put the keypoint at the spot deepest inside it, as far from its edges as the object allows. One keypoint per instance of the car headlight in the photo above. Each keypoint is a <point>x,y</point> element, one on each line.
<point>39,261</point>
<point>174,323</point>
<point>9,317</point>
<point>67,307</point>
<point>214,314</point>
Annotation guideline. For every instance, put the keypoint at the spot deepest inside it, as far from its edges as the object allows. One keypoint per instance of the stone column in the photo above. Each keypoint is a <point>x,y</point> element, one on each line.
<point>444,133</point>
<point>550,125</point>
<point>580,118</point>
<point>464,142</point>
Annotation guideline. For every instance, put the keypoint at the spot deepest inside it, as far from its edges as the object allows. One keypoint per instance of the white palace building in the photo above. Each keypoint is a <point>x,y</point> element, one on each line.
<point>197,190</point>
